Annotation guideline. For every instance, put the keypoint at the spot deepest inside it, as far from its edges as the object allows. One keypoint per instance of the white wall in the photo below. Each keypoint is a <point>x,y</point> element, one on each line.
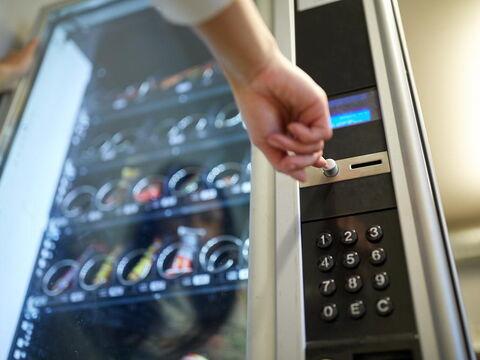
<point>443,38</point>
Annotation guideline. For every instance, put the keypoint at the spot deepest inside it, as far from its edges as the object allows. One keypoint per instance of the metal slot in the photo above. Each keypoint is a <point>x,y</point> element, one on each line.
<point>350,168</point>
<point>365,164</point>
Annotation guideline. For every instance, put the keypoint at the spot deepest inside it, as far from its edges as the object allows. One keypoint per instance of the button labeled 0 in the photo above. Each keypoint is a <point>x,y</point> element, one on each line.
<point>329,312</point>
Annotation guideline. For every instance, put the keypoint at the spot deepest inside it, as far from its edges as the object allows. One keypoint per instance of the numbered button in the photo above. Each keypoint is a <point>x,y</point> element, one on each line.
<point>329,312</point>
<point>353,283</point>
<point>349,237</point>
<point>324,240</point>
<point>328,287</point>
<point>357,309</point>
<point>351,259</point>
<point>374,233</point>
<point>384,306</point>
<point>378,256</point>
<point>381,281</point>
<point>326,262</point>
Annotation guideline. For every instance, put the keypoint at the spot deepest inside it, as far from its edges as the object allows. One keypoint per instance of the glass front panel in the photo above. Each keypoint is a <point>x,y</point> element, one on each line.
<point>142,226</point>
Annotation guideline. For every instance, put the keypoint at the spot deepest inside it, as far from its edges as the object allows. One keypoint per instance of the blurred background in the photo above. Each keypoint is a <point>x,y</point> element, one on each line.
<point>443,41</point>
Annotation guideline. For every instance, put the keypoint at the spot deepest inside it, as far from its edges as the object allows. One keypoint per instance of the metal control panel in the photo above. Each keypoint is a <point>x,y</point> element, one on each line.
<point>361,295</point>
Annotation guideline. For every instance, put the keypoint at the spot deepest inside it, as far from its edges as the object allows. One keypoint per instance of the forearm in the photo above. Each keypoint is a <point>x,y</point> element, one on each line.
<point>6,79</point>
<point>244,49</point>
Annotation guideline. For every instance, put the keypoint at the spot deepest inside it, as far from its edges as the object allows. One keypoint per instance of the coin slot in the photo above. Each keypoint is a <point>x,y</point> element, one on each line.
<point>365,164</point>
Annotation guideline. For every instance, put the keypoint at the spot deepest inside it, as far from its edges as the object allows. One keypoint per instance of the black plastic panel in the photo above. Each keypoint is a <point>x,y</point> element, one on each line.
<point>333,48</point>
<point>372,327</point>
<point>347,197</point>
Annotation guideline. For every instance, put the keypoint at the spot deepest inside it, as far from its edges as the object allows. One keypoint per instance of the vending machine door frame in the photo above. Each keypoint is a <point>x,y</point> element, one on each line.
<point>438,307</point>
<point>45,23</point>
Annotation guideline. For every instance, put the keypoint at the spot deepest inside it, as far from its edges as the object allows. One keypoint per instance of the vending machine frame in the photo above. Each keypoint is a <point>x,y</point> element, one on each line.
<point>438,308</point>
<point>43,27</point>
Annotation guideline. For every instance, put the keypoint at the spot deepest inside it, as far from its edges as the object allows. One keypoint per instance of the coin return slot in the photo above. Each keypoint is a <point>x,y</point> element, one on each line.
<point>365,164</point>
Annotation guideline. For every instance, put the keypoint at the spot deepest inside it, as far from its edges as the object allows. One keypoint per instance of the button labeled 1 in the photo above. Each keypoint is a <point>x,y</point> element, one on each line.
<point>324,240</point>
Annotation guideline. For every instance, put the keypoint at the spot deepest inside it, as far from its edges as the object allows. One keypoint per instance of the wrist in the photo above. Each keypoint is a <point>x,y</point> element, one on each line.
<point>247,68</point>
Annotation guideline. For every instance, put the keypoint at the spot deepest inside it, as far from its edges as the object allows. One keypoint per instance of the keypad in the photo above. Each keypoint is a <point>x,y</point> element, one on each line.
<point>355,279</point>
<point>347,252</point>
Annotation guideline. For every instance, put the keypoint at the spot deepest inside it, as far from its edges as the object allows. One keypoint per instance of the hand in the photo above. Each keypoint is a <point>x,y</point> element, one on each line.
<point>16,64</point>
<point>286,114</point>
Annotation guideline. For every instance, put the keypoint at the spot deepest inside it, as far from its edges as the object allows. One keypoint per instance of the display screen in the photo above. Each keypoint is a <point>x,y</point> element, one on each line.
<point>354,109</point>
<point>141,220</point>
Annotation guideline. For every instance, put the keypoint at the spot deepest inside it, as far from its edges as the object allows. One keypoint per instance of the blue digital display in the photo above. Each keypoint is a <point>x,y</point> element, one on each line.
<point>354,109</point>
<point>351,118</point>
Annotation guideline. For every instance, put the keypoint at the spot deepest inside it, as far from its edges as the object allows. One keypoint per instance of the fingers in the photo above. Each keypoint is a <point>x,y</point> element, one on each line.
<point>308,134</point>
<point>292,165</point>
<point>286,143</point>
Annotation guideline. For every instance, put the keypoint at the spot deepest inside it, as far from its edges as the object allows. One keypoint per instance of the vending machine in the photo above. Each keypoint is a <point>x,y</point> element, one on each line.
<point>125,195</point>
<point>126,182</point>
<point>363,268</point>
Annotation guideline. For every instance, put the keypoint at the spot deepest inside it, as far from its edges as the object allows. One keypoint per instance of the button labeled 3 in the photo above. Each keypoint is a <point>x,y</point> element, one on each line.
<point>374,233</point>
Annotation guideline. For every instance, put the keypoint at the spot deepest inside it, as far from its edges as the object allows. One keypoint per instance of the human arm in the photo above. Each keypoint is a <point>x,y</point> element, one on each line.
<point>286,113</point>
<point>15,65</point>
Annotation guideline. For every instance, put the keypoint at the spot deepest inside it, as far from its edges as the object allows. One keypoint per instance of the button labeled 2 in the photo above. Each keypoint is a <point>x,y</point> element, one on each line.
<point>349,237</point>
